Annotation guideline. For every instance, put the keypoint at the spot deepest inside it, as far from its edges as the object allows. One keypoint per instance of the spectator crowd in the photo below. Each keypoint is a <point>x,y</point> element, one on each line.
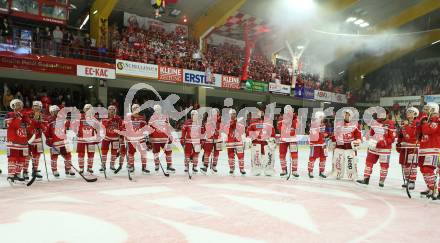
<point>405,77</point>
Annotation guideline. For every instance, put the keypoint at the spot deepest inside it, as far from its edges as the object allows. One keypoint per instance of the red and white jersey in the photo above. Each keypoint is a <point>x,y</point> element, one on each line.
<point>384,134</point>
<point>212,130</point>
<point>86,131</point>
<point>430,142</point>
<point>287,127</point>
<point>111,124</point>
<point>19,130</point>
<point>38,125</point>
<point>192,132</point>
<point>55,131</point>
<point>134,128</point>
<point>409,134</point>
<point>317,133</point>
<point>260,130</point>
<point>235,132</point>
<point>160,129</point>
<point>345,133</point>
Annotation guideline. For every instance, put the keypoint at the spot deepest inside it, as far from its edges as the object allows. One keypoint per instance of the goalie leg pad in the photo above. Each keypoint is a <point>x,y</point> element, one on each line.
<point>351,163</point>
<point>339,163</point>
<point>256,159</point>
<point>269,160</point>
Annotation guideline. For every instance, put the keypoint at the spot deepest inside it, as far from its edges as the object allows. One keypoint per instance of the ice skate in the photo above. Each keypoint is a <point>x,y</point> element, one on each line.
<point>170,169</point>
<point>322,175</point>
<point>145,171</point>
<point>37,175</point>
<point>311,175</point>
<point>25,175</point>
<point>56,174</point>
<point>365,181</point>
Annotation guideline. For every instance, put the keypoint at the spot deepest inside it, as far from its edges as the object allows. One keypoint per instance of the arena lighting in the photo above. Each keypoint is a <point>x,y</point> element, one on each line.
<point>95,12</point>
<point>300,47</point>
<point>84,22</point>
<point>350,19</point>
<point>435,42</point>
<point>359,21</point>
<point>363,25</point>
<point>91,87</point>
<point>185,19</point>
<point>300,5</point>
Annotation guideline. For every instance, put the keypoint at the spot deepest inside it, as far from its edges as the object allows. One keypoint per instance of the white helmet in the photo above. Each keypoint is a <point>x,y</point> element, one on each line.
<point>288,108</point>
<point>382,115</point>
<point>215,111</point>
<point>433,107</point>
<point>349,112</point>
<point>319,115</point>
<point>232,111</point>
<point>87,107</point>
<point>135,108</point>
<point>53,108</point>
<point>14,103</point>
<point>157,108</point>
<point>194,113</point>
<point>413,109</point>
<point>37,103</point>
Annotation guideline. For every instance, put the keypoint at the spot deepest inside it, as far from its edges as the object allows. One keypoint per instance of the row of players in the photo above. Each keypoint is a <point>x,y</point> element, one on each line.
<point>418,142</point>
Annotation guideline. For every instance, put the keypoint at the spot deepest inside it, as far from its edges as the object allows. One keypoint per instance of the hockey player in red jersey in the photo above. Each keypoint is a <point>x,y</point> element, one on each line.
<point>262,134</point>
<point>380,141</point>
<point>36,148</point>
<point>318,149</point>
<point>111,140</point>
<point>430,148</point>
<point>134,127</point>
<point>160,137</point>
<point>56,138</point>
<point>407,146</point>
<point>213,143</point>
<point>345,142</point>
<point>191,140</point>
<point>88,137</point>
<point>235,136</point>
<point>19,130</point>
<point>287,125</point>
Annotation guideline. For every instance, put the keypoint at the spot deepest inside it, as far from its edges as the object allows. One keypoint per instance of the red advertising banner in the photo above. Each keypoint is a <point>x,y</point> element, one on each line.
<point>230,82</point>
<point>170,74</point>
<point>47,64</point>
<point>36,63</point>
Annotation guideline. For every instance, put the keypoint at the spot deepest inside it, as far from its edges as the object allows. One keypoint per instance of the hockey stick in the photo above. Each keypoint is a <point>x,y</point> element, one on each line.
<point>120,164</point>
<point>128,165</point>
<point>410,170</point>
<point>34,176</point>
<point>77,171</point>
<point>102,164</point>
<point>163,171</point>
<point>166,174</point>
<point>189,173</point>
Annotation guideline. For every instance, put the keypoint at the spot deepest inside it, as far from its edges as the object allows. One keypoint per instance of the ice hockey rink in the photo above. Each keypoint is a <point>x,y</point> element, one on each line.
<point>215,208</point>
